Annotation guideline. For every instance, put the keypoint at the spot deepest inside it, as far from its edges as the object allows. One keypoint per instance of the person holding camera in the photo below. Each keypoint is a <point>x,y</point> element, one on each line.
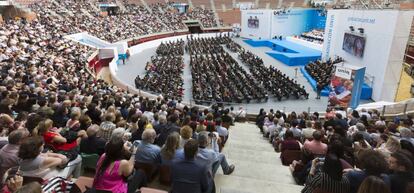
<point>213,159</point>
<point>112,168</point>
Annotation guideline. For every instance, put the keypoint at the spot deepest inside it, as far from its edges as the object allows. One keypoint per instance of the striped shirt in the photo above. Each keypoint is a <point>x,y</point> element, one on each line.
<point>324,182</point>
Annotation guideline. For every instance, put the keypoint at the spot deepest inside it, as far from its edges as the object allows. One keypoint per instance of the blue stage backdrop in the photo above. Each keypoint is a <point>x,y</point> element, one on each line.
<point>297,21</point>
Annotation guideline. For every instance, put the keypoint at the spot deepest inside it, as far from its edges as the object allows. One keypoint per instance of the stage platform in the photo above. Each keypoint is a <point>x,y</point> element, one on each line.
<point>366,92</point>
<point>287,52</point>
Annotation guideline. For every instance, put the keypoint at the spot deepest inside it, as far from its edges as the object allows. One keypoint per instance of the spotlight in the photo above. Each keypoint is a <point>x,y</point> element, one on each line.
<point>361,30</point>
<point>351,28</point>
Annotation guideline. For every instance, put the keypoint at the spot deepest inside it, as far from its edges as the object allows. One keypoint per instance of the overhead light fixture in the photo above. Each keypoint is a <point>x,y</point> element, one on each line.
<point>351,28</point>
<point>361,30</point>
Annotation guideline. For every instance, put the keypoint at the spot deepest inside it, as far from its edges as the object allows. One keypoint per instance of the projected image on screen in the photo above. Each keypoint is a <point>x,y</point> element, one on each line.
<point>354,44</point>
<point>253,22</point>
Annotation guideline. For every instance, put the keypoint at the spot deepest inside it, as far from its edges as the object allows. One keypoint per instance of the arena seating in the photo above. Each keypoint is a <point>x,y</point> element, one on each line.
<point>293,3</point>
<point>264,3</point>
<point>202,3</point>
<point>230,17</point>
<point>227,3</point>
<point>50,102</point>
<point>27,2</point>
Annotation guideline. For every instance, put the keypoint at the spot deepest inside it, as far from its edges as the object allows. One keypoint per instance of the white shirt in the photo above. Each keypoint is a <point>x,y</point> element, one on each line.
<point>222,131</point>
<point>241,113</point>
<point>149,115</point>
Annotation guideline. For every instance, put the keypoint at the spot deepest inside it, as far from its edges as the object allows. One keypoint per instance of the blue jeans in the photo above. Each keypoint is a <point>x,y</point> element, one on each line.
<point>221,161</point>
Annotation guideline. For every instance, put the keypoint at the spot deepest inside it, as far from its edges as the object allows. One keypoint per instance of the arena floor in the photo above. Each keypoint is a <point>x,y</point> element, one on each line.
<point>136,63</point>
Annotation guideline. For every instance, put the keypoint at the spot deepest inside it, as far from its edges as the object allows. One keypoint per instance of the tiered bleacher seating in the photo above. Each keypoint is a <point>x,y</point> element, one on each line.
<point>27,2</point>
<point>227,3</point>
<point>149,2</point>
<point>136,2</point>
<point>180,1</point>
<point>293,3</point>
<point>263,4</point>
<point>230,17</point>
<point>201,3</point>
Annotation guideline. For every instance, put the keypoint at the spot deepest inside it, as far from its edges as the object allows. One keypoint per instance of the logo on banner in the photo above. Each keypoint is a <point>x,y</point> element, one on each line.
<point>329,36</point>
<point>343,72</point>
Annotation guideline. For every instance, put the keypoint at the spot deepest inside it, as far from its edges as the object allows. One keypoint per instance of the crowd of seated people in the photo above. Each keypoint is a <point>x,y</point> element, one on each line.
<point>272,79</point>
<point>344,152</point>
<point>234,47</point>
<point>205,16</point>
<point>169,15</point>
<point>164,73</point>
<point>137,20</point>
<point>315,36</point>
<point>322,72</point>
<point>52,110</point>
<point>216,76</point>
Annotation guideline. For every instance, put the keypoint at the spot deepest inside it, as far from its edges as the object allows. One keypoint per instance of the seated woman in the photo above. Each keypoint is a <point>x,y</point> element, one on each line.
<point>289,142</point>
<point>112,169</point>
<point>213,137</point>
<point>53,138</point>
<point>268,123</point>
<point>42,165</point>
<point>186,133</point>
<point>370,163</point>
<point>329,179</point>
<point>73,123</point>
<point>169,150</point>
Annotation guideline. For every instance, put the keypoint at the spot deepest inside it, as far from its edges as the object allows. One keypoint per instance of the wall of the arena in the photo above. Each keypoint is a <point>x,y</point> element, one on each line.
<point>270,23</point>
<point>386,35</point>
<point>89,40</point>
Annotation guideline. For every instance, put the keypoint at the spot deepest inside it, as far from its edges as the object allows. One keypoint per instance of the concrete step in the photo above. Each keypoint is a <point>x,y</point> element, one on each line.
<point>250,145</point>
<point>258,166</point>
<point>262,171</point>
<point>255,157</point>
<point>237,184</point>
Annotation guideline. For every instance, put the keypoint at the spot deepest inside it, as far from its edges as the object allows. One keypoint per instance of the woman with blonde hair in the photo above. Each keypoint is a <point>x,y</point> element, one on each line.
<point>169,150</point>
<point>186,132</point>
<point>73,123</point>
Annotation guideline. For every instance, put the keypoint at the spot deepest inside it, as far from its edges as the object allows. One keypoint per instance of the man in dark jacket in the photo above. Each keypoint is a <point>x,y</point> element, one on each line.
<point>169,128</point>
<point>189,176</point>
<point>93,144</point>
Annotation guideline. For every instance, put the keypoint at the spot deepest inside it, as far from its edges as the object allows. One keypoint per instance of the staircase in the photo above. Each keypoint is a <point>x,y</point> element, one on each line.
<point>258,166</point>
<point>216,16</point>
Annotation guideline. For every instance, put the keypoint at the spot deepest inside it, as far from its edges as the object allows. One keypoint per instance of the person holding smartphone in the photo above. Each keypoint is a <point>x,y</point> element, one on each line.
<point>112,169</point>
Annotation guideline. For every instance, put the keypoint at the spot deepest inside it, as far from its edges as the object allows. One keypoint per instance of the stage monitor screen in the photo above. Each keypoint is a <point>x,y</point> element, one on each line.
<point>354,44</point>
<point>253,22</point>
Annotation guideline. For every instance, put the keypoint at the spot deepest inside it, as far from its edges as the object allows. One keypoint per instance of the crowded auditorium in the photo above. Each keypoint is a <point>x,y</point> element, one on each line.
<point>206,96</point>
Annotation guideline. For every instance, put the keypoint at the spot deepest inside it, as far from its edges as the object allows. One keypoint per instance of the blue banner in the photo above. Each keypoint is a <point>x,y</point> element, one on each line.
<point>357,88</point>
